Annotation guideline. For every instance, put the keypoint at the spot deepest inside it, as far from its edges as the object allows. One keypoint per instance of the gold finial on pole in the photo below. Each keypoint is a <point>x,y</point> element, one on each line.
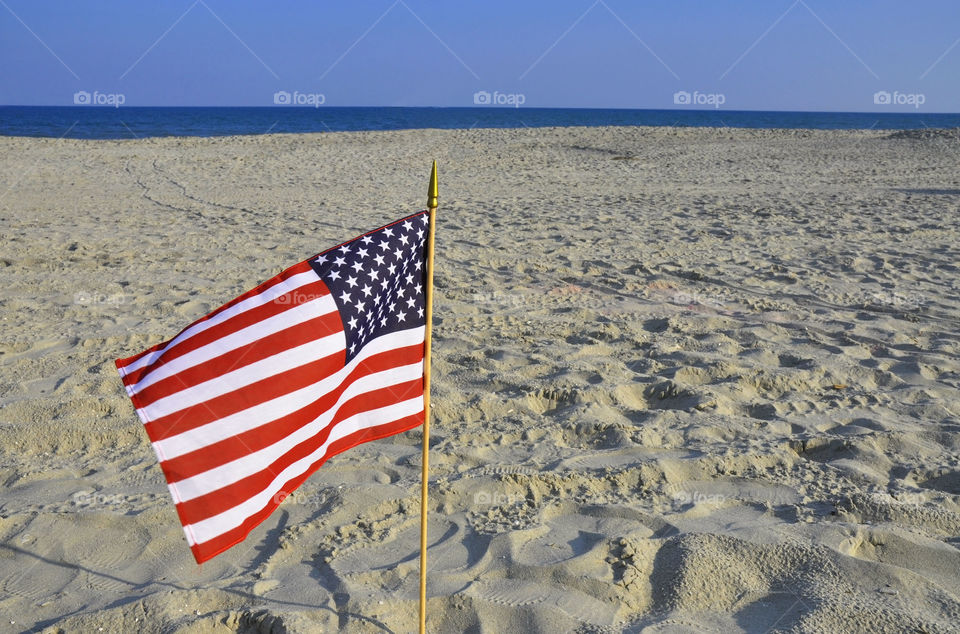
<point>432,200</point>
<point>432,193</point>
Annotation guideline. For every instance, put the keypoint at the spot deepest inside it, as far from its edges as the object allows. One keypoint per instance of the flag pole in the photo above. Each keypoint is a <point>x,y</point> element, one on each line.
<point>432,203</point>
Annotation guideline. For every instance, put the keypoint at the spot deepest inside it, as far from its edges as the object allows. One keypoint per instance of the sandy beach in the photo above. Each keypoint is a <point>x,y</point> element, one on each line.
<point>684,380</point>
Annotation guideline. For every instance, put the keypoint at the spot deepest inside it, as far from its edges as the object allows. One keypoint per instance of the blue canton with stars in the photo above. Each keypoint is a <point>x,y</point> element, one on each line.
<point>378,280</point>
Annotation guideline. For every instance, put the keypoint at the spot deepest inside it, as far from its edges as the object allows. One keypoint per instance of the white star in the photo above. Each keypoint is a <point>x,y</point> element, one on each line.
<point>388,232</point>
<point>383,322</point>
<point>353,323</point>
<point>384,245</point>
<point>374,274</point>
<point>357,266</point>
<point>401,316</point>
<point>420,235</point>
<point>367,239</point>
<point>352,281</point>
<point>404,239</point>
<point>409,278</point>
<point>425,218</point>
<point>407,225</point>
<point>345,248</point>
<point>362,252</point>
<point>418,287</point>
<point>418,264</point>
<point>321,259</point>
<point>393,306</point>
<point>345,297</point>
<point>361,308</point>
<point>352,347</point>
<point>334,274</point>
<point>392,268</point>
<point>398,253</point>
<point>377,300</point>
<point>366,291</point>
<point>411,302</point>
<point>420,312</point>
<point>385,283</point>
<point>339,261</point>
<point>400,292</point>
<point>378,259</point>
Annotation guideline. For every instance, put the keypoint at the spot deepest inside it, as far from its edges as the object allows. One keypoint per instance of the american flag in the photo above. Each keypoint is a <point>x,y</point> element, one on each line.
<point>246,402</point>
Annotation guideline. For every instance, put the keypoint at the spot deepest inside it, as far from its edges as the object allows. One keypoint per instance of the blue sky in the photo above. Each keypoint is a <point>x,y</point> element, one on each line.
<point>744,54</point>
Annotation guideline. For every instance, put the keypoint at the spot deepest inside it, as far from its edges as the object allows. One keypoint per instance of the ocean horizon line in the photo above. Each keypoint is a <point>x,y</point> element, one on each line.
<point>484,108</point>
<point>124,122</point>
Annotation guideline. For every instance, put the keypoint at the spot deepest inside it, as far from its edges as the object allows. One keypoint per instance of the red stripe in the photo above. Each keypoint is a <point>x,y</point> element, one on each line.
<point>236,358</point>
<point>235,492</point>
<point>242,398</point>
<point>265,390</point>
<point>239,445</point>
<point>210,549</point>
<point>314,290</point>
<point>296,269</point>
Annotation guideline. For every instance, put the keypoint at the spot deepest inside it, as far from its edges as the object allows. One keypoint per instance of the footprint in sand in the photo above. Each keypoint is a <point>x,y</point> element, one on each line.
<point>403,546</point>
<point>574,604</point>
<point>574,535</point>
<point>621,458</point>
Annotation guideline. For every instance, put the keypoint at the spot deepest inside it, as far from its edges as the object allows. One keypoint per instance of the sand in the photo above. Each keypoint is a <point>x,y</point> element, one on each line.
<point>685,380</point>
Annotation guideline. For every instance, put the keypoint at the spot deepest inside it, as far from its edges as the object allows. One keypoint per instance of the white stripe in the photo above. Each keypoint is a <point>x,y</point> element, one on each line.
<point>264,297</point>
<point>277,408</point>
<point>207,529</point>
<point>241,377</point>
<point>242,337</point>
<point>223,475</point>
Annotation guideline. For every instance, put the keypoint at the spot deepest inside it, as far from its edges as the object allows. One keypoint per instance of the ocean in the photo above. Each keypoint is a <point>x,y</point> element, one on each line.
<point>89,122</point>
